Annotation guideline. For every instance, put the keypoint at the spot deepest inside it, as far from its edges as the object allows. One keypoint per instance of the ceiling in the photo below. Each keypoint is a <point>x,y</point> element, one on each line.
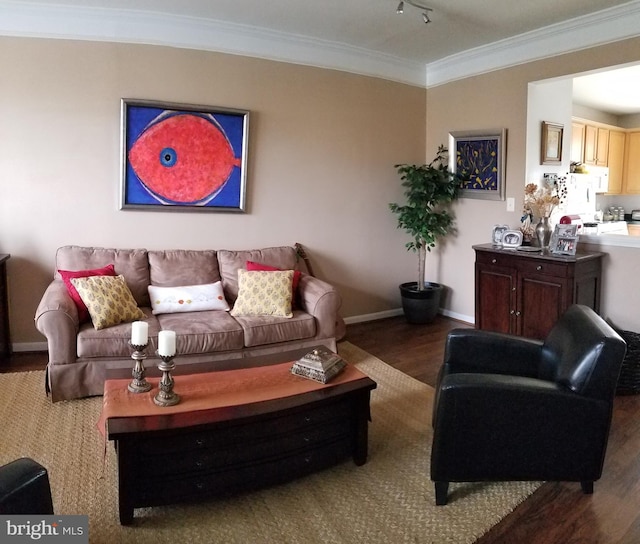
<point>367,30</point>
<point>457,25</point>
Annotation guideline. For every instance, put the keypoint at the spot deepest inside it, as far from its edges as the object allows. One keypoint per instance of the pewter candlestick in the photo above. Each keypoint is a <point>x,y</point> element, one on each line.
<point>139,384</point>
<point>166,395</point>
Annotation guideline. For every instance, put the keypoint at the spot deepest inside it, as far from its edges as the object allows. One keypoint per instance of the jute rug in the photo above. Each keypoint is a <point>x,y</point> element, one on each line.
<point>388,500</point>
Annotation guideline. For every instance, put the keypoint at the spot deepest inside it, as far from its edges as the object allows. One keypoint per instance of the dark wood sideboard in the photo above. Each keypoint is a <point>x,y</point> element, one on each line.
<point>525,293</point>
<point>5,337</point>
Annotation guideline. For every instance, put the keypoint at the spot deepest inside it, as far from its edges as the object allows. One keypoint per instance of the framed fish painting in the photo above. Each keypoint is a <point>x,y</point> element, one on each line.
<point>479,158</point>
<point>180,157</point>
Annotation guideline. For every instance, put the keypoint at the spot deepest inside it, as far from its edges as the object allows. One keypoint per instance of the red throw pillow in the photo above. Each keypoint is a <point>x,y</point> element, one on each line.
<point>253,266</point>
<point>83,313</point>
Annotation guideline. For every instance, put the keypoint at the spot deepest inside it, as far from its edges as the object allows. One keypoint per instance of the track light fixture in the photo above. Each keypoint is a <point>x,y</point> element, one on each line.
<point>425,9</point>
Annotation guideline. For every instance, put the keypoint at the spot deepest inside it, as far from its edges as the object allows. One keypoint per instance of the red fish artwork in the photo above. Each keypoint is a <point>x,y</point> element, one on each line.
<point>183,158</point>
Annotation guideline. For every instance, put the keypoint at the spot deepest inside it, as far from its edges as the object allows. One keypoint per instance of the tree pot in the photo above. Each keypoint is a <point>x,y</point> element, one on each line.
<point>420,306</point>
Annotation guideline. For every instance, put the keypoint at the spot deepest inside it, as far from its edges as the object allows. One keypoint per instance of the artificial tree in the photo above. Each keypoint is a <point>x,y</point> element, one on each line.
<point>429,190</point>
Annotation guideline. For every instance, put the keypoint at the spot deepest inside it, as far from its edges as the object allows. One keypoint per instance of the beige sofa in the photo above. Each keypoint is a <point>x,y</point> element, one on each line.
<point>79,354</point>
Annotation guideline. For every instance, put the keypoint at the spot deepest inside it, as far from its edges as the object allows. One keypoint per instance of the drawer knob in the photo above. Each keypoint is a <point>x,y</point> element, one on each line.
<point>539,267</point>
<point>199,486</point>
<point>494,261</point>
<point>199,441</point>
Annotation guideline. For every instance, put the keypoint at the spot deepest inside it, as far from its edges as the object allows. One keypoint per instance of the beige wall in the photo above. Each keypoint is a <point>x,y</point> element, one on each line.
<point>322,148</point>
<point>321,153</point>
<point>499,100</point>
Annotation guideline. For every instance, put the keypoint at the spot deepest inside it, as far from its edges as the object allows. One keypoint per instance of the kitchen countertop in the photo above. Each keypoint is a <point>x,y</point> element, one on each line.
<point>619,240</point>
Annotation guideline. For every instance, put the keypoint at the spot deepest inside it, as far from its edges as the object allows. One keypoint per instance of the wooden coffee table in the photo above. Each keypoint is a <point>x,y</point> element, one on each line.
<point>234,430</point>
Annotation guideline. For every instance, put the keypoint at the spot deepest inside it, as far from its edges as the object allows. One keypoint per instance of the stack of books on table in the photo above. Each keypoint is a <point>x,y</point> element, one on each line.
<point>320,365</point>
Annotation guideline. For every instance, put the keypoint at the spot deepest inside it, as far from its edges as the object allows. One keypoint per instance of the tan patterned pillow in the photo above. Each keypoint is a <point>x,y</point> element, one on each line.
<point>264,293</point>
<point>108,300</point>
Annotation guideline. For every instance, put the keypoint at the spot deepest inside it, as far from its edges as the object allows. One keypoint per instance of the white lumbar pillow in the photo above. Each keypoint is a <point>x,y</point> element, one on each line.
<point>187,298</point>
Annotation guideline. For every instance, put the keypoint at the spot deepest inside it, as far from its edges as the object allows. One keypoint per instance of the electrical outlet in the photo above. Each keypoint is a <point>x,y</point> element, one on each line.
<point>511,204</point>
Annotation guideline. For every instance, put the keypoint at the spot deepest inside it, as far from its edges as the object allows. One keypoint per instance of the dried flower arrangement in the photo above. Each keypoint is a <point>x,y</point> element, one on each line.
<point>540,201</point>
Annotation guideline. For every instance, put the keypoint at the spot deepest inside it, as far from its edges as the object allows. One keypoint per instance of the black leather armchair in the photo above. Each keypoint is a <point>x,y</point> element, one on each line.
<point>25,488</point>
<point>511,408</point>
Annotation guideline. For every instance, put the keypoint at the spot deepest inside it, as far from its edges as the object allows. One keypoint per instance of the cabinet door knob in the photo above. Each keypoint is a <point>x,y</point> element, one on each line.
<point>517,313</point>
<point>512,312</point>
<point>539,267</point>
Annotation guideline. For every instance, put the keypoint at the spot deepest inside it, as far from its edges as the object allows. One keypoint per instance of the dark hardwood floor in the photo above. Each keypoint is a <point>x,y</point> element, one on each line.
<point>558,513</point>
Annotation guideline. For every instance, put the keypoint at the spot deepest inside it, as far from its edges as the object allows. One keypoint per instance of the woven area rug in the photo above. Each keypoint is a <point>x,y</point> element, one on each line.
<point>389,499</point>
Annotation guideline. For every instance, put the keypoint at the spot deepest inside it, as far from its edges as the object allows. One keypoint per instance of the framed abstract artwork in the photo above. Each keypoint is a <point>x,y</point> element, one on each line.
<point>479,158</point>
<point>178,157</point>
<point>551,144</point>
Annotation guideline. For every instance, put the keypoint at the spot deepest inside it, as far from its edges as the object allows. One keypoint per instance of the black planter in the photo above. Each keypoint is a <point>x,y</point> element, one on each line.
<point>420,306</point>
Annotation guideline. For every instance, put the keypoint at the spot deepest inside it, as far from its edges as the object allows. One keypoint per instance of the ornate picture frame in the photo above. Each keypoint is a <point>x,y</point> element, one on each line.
<point>551,144</point>
<point>183,157</point>
<point>479,158</point>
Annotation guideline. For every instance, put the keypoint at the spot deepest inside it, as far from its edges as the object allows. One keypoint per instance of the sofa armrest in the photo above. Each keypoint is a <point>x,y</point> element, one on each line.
<point>57,319</point>
<point>322,301</point>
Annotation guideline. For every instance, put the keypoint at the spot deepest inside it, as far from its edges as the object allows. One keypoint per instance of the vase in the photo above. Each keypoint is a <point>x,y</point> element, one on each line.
<point>543,232</point>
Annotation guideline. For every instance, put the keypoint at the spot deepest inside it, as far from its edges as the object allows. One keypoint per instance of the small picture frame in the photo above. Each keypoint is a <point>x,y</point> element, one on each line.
<point>497,233</point>
<point>511,239</point>
<point>564,240</point>
<point>551,145</point>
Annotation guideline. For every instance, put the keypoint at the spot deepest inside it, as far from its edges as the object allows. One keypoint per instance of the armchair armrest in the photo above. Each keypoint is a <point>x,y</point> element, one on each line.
<point>472,350</point>
<point>322,301</point>
<point>57,319</point>
<point>24,488</point>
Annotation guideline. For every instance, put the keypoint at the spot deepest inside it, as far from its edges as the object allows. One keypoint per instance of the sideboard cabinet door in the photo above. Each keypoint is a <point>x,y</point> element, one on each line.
<point>525,294</point>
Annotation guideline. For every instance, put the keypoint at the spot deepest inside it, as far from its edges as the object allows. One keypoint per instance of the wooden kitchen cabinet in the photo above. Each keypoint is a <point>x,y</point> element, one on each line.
<point>596,145</point>
<point>577,141</point>
<point>631,179</point>
<point>617,140</point>
<point>525,293</point>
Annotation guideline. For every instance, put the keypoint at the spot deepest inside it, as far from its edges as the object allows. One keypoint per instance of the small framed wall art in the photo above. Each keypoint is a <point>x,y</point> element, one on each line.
<point>551,145</point>
<point>178,157</point>
<point>479,159</point>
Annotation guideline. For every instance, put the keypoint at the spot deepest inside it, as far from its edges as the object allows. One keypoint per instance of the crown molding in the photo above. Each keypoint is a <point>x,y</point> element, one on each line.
<point>606,26</point>
<point>130,26</point>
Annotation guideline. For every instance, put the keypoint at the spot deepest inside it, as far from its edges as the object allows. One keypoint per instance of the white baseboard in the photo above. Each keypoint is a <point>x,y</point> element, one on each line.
<point>29,346</point>
<point>398,311</point>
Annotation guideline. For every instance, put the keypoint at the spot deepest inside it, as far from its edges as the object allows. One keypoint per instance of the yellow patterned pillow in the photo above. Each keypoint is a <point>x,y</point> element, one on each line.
<point>108,300</point>
<point>263,293</point>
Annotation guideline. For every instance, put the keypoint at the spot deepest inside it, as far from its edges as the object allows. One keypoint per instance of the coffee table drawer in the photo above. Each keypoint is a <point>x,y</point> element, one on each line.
<point>243,477</point>
<point>264,429</point>
<point>228,455</point>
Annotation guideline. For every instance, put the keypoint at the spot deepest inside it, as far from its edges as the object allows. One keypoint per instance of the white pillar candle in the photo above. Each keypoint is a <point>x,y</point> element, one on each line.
<point>167,343</point>
<point>139,333</point>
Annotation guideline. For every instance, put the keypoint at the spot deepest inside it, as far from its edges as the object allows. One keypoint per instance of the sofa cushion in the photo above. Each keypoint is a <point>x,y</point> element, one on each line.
<point>229,262</point>
<point>133,264</point>
<point>177,267</point>
<point>259,331</point>
<point>114,341</point>
<point>83,313</point>
<point>203,332</point>
<point>264,293</point>
<point>187,298</point>
<point>108,300</point>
